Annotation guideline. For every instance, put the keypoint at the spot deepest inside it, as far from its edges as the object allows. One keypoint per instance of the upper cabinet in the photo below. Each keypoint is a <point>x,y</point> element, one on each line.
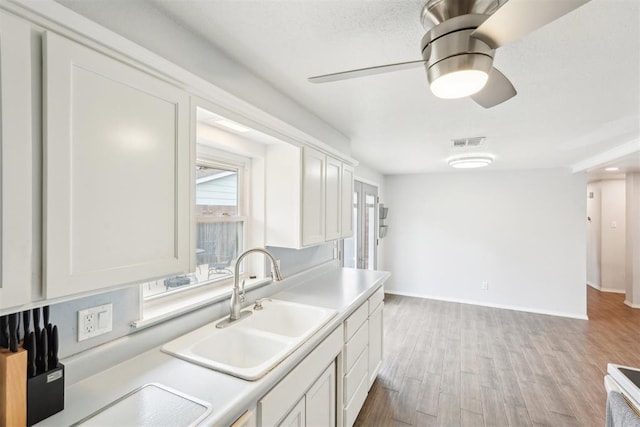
<point>16,243</point>
<point>305,193</point>
<point>116,172</point>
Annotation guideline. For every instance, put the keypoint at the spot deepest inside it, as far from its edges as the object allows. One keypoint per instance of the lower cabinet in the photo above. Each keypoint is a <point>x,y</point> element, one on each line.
<point>306,396</point>
<point>361,355</point>
<point>375,334</point>
<point>320,393</point>
<point>320,400</point>
<point>297,416</point>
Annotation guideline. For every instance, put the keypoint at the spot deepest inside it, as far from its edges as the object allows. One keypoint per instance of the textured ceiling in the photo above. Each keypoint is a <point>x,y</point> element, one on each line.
<point>578,79</point>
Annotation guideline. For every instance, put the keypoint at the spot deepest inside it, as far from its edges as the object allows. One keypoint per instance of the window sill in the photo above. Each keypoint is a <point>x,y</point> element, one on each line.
<point>160,309</point>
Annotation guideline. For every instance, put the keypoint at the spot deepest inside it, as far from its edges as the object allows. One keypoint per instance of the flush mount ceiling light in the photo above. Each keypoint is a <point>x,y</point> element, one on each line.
<point>612,169</point>
<point>470,161</point>
<point>457,64</point>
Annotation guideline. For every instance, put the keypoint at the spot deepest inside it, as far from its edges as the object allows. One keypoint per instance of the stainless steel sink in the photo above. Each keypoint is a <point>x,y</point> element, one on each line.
<point>253,346</point>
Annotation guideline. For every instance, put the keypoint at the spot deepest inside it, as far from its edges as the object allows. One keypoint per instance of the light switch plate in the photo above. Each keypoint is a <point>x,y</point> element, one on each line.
<point>95,321</point>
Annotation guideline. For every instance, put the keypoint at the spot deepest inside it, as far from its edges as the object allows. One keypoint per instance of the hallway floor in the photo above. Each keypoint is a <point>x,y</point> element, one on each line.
<point>450,364</point>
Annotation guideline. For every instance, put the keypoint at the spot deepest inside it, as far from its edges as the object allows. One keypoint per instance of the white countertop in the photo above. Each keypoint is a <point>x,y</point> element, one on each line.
<point>341,289</point>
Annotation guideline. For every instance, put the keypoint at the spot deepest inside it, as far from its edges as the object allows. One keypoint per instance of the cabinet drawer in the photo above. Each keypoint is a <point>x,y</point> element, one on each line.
<point>376,299</point>
<point>352,410</point>
<point>353,378</point>
<point>353,322</point>
<point>355,345</point>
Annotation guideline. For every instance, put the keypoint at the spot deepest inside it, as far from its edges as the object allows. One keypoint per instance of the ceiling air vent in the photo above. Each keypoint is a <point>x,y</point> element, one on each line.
<point>476,141</point>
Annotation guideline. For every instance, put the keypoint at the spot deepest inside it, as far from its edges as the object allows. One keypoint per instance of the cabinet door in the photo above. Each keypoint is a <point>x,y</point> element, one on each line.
<point>333,187</point>
<point>295,418</point>
<point>321,400</point>
<point>375,343</point>
<point>17,158</point>
<point>346,207</point>
<point>116,172</point>
<point>313,170</point>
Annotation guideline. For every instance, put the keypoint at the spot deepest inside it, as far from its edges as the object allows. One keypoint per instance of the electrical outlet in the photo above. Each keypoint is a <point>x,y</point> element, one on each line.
<point>95,321</point>
<point>485,286</point>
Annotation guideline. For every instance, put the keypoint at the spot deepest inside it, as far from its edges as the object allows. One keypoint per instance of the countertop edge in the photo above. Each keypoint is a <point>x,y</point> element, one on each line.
<point>232,408</point>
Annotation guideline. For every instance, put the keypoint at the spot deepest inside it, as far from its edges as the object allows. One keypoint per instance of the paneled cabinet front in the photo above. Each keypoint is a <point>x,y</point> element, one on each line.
<point>16,243</point>
<point>116,172</point>
<point>305,193</point>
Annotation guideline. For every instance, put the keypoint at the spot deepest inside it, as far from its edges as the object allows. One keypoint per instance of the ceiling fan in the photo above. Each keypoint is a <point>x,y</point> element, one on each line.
<point>460,43</point>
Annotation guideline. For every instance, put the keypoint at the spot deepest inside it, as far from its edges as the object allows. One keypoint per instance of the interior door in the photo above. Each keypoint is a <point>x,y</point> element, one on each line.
<point>361,250</point>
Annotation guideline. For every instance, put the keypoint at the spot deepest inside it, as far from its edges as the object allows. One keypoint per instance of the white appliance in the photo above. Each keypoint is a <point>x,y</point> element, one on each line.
<point>624,380</point>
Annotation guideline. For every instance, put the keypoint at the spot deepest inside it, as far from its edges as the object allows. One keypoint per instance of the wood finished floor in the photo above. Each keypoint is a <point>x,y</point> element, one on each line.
<point>449,364</point>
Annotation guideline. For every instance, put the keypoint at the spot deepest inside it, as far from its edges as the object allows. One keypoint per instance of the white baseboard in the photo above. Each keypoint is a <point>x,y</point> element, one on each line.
<point>613,291</point>
<point>485,304</point>
<point>601,289</point>
<point>626,302</point>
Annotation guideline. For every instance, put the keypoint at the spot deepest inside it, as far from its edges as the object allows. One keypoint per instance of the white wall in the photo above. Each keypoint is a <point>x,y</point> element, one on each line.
<point>522,232</point>
<point>613,236</point>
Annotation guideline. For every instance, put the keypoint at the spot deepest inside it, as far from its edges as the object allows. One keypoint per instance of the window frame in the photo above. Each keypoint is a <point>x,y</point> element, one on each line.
<point>165,305</point>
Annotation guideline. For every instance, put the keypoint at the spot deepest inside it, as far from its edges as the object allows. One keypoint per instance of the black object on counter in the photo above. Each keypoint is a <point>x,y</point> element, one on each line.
<point>43,355</point>
<point>4,333</point>
<point>26,316</point>
<point>13,332</point>
<point>36,321</point>
<point>31,355</point>
<point>45,395</point>
<point>53,347</point>
<point>45,314</point>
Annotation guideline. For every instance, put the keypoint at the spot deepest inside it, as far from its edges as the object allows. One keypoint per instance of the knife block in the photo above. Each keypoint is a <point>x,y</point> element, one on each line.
<point>45,394</point>
<point>13,388</point>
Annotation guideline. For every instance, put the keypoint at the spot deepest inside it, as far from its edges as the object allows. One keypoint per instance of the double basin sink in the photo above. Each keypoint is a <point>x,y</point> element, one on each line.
<point>251,347</point>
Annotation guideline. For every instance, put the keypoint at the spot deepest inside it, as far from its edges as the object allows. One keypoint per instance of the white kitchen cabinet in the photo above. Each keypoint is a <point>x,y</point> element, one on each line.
<point>375,343</point>
<point>361,355</point>
<point>320,400</point>
<point>313,197</point>
<point>295,418</point>
<point>116,172</point>
<point>312,382</point>
<point>16,242</point>
<point>346,205</point>
<point>304,196</point>
<point>333,188</point>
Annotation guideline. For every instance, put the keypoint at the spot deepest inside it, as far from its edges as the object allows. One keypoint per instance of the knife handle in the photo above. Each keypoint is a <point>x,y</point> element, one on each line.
<point>45,315</point>
<point>4,334</point>
<point>53,350</point>
<point>36,319</point>
<point>44,351</point>
<point>31,355</point>
<point>13,332</point>
<point>26,316</point>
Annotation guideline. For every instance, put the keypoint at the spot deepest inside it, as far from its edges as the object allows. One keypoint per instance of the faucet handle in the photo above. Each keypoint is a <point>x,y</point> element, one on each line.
<point>258,304</point>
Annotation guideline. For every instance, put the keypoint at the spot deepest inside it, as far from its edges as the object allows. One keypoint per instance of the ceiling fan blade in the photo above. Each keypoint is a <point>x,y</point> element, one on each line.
<point>362,72</point>
<point>517,18</point>
<point>497,90</point>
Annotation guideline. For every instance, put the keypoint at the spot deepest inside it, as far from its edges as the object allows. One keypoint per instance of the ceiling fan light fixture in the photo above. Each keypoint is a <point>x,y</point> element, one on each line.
<point>459,84</point>
<point>459,76</point>
<point>471,161</point>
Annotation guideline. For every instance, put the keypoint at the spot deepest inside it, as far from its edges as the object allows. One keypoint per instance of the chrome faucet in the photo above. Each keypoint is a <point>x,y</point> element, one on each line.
<point>236,298</point>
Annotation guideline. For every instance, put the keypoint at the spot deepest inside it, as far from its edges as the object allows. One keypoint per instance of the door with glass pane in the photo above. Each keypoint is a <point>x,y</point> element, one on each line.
<point>361,250</point>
